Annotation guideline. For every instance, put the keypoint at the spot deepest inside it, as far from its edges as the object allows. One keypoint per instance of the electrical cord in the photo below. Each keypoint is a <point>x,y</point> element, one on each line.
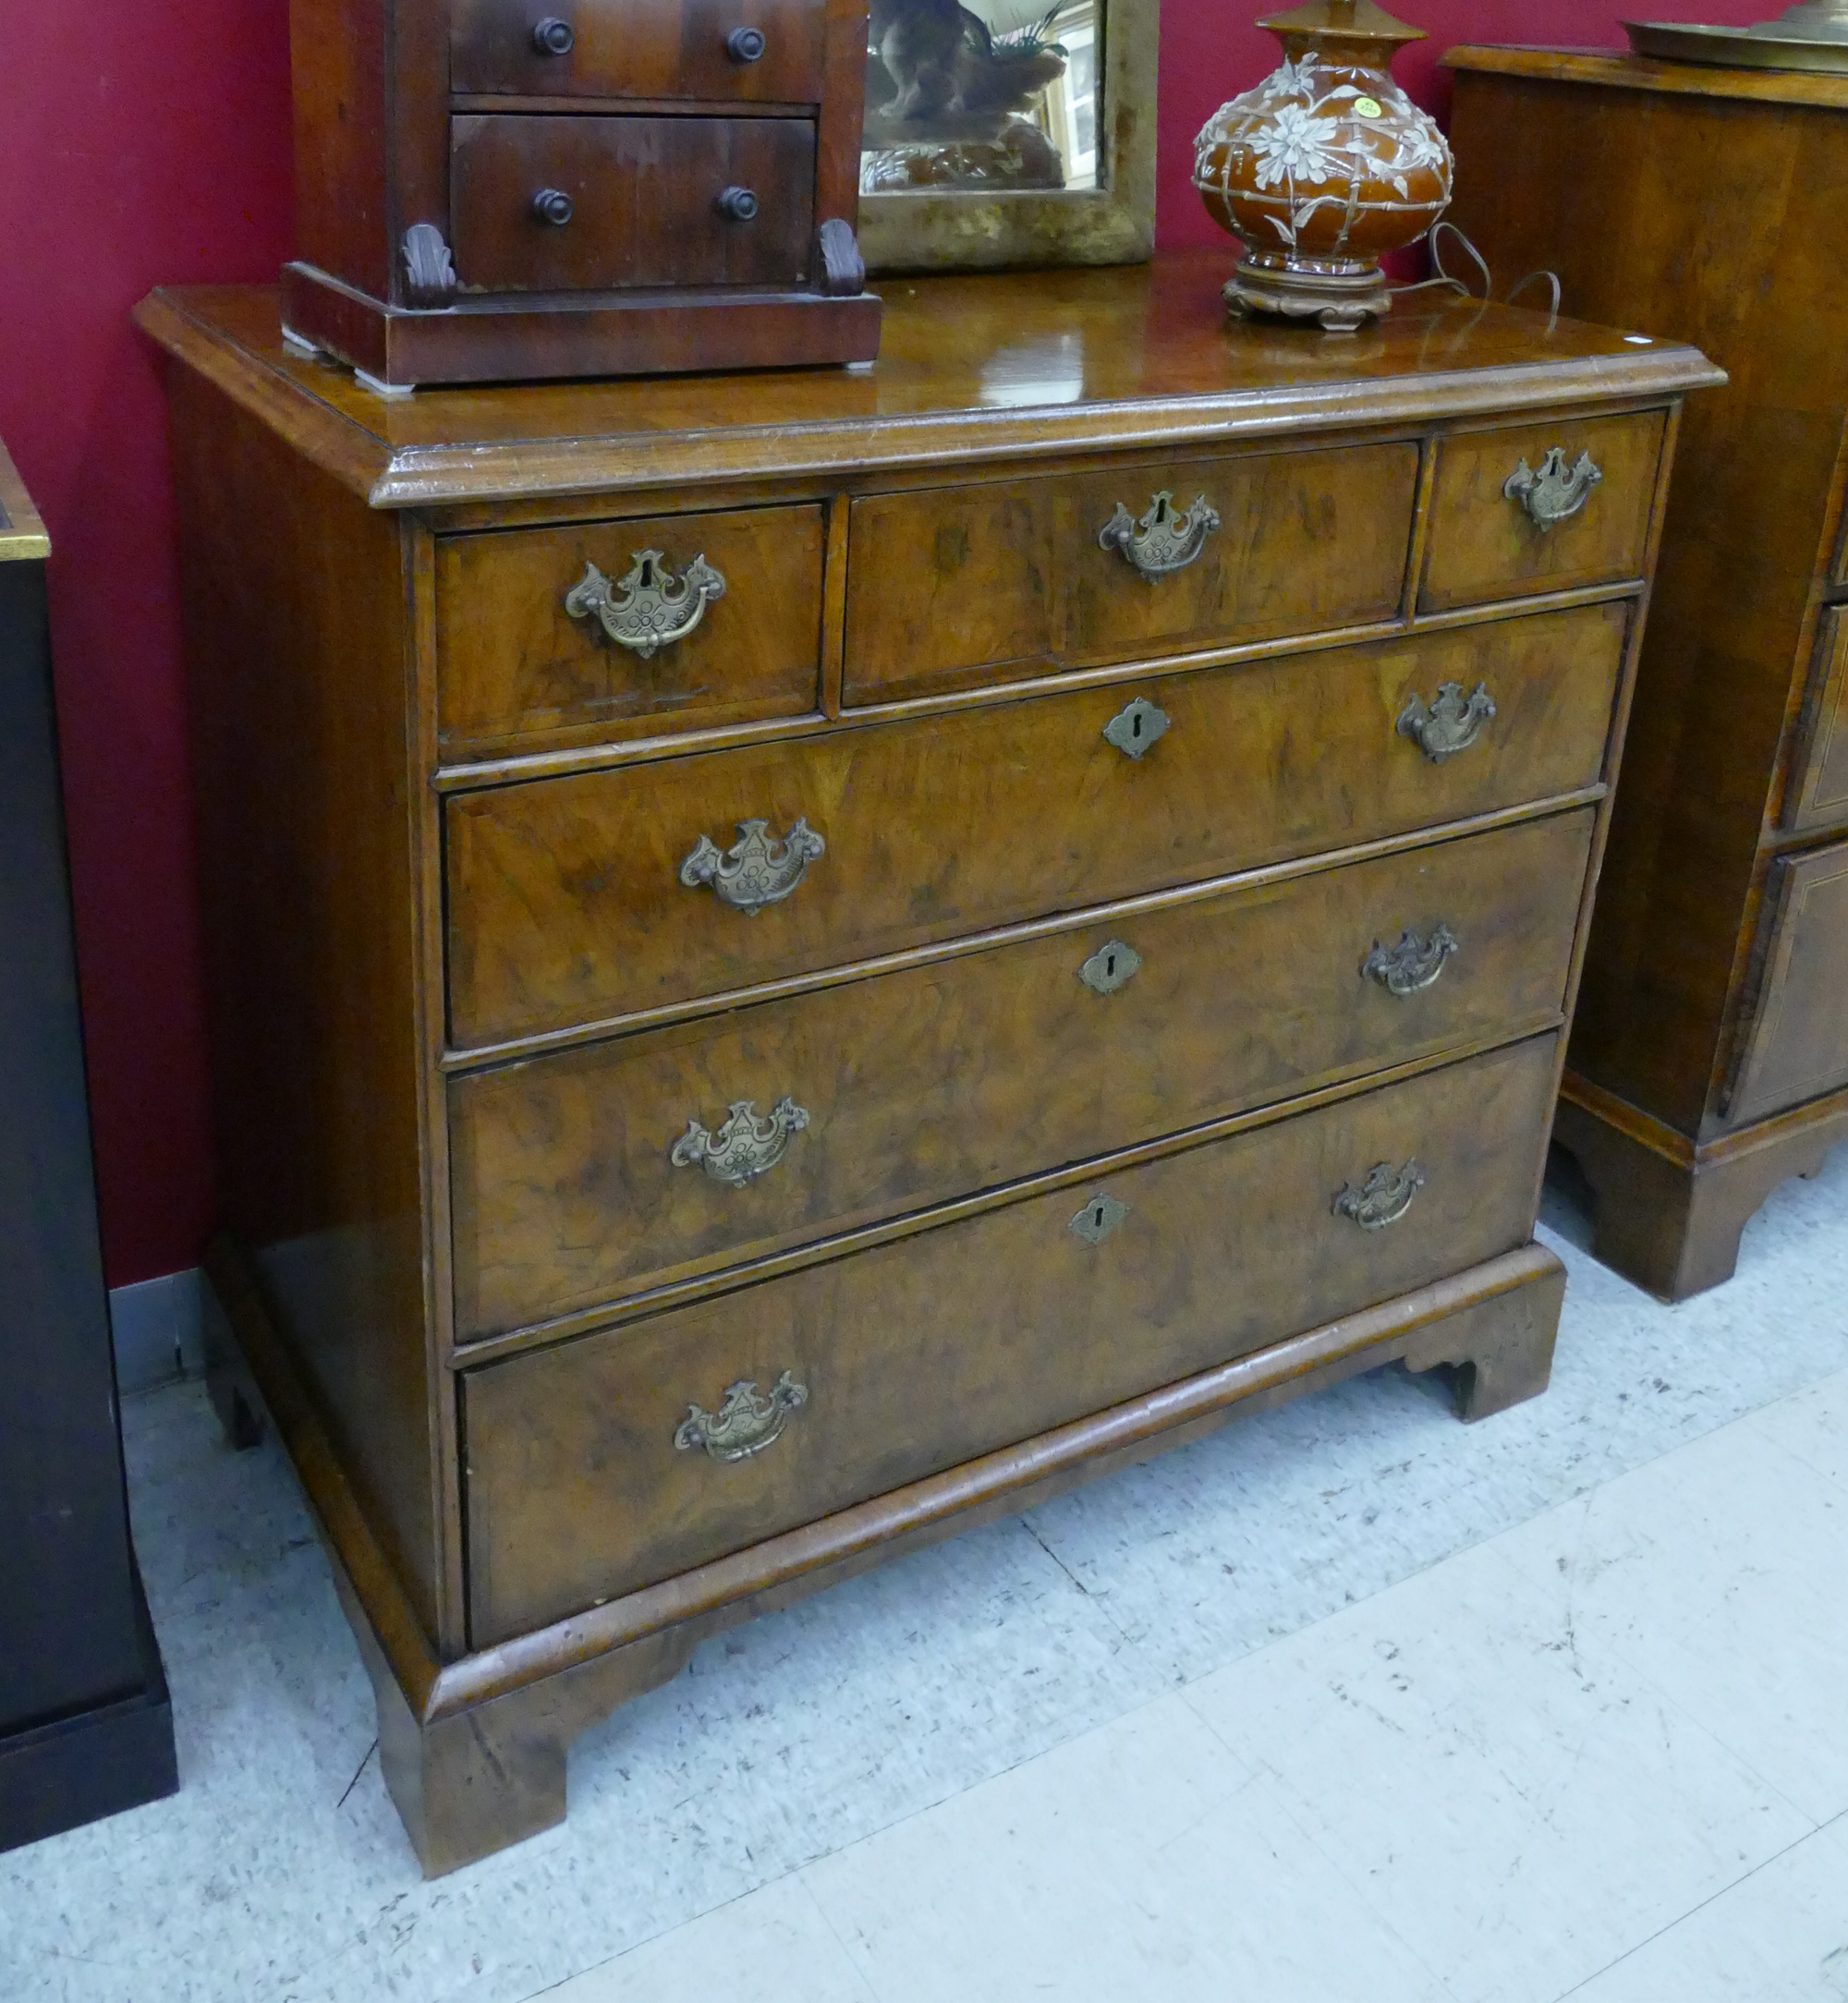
<point>1448,281</point>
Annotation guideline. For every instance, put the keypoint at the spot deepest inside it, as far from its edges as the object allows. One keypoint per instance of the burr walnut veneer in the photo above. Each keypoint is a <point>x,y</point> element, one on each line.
<point>1709,1058</point>
<point>800,961</point>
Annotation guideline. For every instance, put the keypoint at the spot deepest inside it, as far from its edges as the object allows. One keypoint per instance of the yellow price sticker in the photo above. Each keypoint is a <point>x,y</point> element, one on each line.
<point>1367,107</point>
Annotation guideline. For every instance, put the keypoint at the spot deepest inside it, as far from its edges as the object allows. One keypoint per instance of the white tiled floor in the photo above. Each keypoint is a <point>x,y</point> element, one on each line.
<point>1347,1702</point>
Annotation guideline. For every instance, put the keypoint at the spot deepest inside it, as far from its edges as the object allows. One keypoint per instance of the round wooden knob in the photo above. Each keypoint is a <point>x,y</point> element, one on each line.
<point>554,37</point>
<point>738,203</point>
<point>745,44</point>
<point>554,205</point>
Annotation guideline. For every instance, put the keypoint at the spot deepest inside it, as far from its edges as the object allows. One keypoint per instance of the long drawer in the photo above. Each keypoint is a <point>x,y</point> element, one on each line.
<point>924,1085</point>
<point>589,1473</point>
<point>584,899</point>
<point>954,586</point>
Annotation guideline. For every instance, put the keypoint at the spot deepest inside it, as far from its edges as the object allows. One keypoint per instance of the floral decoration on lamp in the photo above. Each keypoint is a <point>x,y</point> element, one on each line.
<point>1322,168</point>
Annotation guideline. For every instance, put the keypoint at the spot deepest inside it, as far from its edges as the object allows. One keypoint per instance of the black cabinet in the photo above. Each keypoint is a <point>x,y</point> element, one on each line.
<point>85,1727</point>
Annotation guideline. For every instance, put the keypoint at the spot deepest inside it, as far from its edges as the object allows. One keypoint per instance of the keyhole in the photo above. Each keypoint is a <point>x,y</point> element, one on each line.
<point>1136,728</point>
<point>1110,965</point>
<point>647,575</point>
<point>1160,509</point>
<point>1097,1216</point>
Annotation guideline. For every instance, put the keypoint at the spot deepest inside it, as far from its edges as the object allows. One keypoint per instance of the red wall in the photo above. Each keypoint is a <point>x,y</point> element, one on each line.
<point>148,142</point>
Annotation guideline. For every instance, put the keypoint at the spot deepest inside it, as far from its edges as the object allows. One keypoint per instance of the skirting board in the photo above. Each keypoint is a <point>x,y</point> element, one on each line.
<point>155,1324</point>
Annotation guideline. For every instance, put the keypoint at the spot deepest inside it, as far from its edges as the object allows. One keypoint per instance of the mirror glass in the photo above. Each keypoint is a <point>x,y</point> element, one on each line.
<point>992,95</point>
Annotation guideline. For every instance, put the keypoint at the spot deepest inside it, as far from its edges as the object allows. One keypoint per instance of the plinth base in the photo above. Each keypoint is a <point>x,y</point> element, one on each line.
<point>1340,294</point>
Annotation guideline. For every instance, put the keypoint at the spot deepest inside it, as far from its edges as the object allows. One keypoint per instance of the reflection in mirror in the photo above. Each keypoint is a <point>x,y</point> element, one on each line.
<point>998,94</point>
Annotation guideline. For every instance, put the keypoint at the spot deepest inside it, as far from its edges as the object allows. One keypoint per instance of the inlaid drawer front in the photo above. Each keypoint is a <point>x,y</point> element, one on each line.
<point>1794,1036</point>
<point>1818,792</point>
<point>581,899</point>
<point>588,1175</point>
<point>747,51</point>
<point>616,629</point>
<point>552,203</point>
<point>622,1458</point>
<point>1545,507</point>
<point>960,586</point>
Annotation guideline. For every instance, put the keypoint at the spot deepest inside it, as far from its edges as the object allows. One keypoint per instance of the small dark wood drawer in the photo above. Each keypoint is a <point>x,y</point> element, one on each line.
<point>585,1480</point>
<point>632,202</point>
<point>956,587</point>
<point>519,668</point>
<point>567,1196</point>
<point>1486,543</point>
<point>1817,795</point>
<point>1794,1034</point>
<point>583,899</point>
<point>700,49</point>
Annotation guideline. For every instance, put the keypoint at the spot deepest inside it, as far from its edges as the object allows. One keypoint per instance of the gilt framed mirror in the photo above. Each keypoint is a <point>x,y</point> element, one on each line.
<point>1008,132</point>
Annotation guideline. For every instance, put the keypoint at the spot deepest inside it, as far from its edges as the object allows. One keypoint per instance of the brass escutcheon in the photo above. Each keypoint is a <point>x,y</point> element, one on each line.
<point>1413,963</point>
<point>757,871</point>
<point>1557,491</point>
<point>745,1423</point>
<point>1165,539</point>
<point>1383,1198</point>
<point>649,608</point>
<point>1451,722</point>
<point>746,1146</point>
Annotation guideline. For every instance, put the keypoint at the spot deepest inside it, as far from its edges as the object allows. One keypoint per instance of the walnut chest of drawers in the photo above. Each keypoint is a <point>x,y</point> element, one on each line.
<point>797,960</point>
<point>1710,1061</point>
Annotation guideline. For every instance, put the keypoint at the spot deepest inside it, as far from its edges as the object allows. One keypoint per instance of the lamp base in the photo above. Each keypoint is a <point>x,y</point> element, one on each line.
<point>1341,295</point>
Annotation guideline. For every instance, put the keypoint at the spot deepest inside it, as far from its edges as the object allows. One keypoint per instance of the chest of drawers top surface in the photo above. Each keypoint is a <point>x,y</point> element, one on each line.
<point>971,369</point>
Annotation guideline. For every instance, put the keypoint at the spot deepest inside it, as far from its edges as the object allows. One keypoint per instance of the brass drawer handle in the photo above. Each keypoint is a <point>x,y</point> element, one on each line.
<point>1165,539</point>
<point>649,608</point>
<point>746,1146</point>
<point>1136,727</point>
<point>1452,723</point>
<point>1557,491</point>
<point>1111,966</point>
<point>758,869</point>
<point>1383,1198</point>
<point>745,1423</point>
<point>1098,1217</point>
<point>1413,963</point>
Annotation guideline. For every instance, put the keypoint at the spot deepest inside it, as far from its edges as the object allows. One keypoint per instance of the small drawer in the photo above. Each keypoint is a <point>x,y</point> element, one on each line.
<point>1793,1032</point>
<point>751,52</point>
<point>586,898</point>
<point>544,205</point>
<point>1547,507</point>
<point>567,1193</point>
<point>590,1471</point>
<point>957,587</point>
<point>1816,793</point>
<point>548,636</point>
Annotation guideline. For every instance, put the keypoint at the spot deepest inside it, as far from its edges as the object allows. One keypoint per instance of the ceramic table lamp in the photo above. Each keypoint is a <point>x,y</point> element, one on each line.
<point>1322,167</point>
